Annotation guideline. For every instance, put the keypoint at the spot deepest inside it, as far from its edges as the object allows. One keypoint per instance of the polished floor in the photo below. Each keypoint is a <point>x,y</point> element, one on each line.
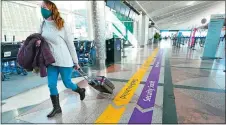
<point>155,84</point>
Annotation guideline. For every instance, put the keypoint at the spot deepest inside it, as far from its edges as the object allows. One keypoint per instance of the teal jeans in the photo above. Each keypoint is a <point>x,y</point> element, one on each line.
<point>53,73</point>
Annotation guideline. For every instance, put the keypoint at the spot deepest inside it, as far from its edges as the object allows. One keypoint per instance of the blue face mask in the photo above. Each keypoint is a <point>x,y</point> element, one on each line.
<point>46,13</point>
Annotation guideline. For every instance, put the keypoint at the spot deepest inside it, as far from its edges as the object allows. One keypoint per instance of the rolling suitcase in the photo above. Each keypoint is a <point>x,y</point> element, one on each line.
<point>100,83</point>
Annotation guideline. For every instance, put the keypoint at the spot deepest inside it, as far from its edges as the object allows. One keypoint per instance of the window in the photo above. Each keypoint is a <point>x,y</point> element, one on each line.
<point>18,20</point>
<point>21,20</point>
<point>81,27</point>
<point>79,18</point>
<point>79,7</point>
<point>63,5</point>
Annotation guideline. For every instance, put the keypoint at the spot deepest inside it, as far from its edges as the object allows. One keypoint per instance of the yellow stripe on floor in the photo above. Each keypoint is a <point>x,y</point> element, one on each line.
<point>113,115</point>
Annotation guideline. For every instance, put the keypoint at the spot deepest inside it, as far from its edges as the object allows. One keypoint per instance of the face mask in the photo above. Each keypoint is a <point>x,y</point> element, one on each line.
<point>46,13</point>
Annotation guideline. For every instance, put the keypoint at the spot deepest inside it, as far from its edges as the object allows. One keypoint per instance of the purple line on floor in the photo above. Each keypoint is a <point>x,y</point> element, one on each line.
<point>138,117</point>
<point>148,95</point>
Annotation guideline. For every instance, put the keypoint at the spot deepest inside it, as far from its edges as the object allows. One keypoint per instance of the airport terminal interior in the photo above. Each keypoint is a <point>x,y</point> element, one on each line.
<point>130,62</point>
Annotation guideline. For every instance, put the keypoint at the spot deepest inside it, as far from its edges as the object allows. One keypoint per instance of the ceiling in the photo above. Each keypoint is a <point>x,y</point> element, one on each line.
<point>179,14</point>
<point>175,15</point>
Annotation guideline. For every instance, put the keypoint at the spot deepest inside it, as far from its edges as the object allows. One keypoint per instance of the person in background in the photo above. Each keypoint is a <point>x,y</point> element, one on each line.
<point>174,37</point>
<point>179,35</point>
<point>60,41</point>
<point>81,49</point>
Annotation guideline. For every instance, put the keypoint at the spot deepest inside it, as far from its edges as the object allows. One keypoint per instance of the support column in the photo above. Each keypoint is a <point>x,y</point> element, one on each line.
<point>213,36</point>
<point>98,17</point>
<point>139,33</point>
<point>142,42</point>
<point>146,30</point>
<point>135,29</point>
<point>150,34</point>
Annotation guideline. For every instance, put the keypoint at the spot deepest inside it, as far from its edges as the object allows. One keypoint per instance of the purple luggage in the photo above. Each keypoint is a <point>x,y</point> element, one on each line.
<point>100,83</point>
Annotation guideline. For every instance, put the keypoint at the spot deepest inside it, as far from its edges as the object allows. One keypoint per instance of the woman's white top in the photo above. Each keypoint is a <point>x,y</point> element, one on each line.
<point>61,44</point>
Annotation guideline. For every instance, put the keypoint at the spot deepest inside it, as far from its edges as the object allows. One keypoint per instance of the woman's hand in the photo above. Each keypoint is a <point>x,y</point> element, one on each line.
<point>77,67</point>
<point>38,43</point>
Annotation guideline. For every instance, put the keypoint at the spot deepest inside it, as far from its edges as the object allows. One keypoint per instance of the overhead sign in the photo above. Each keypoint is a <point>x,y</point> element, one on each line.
<point>131,13</point>
<point>127,11</point>
<point>123,8</point>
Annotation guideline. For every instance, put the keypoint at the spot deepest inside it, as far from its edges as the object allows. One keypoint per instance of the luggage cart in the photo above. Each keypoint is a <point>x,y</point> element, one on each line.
<point>9,60</point>
<point>89,47</point>
<point>81,53</point>
<point>84,51</point>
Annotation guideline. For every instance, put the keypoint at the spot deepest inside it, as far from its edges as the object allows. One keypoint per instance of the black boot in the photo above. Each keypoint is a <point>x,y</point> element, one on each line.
<point>56,106</point>
<point>81,92</point>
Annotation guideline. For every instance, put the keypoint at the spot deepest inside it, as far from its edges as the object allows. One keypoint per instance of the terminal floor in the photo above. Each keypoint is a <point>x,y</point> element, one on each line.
<point>190,90</point>
<point>23,83</point>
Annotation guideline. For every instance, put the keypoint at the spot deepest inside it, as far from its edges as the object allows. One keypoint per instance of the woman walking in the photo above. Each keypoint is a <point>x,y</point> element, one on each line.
<point>60,41</point>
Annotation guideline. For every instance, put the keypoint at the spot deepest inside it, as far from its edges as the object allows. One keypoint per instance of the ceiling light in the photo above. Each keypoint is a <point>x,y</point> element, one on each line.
<point>175,23</point>
<point>190,3</point>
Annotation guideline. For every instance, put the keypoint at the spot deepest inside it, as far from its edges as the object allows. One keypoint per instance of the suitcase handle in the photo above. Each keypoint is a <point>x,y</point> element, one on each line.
<point>81,72</point>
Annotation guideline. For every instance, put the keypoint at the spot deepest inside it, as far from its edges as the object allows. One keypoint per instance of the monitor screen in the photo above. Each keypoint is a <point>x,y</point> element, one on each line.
<point>131,13</point>
<point>134,15</point>
<point>127,9</point>
<point>123,8</point>
<point>117,6</point>
<point>110,3</point>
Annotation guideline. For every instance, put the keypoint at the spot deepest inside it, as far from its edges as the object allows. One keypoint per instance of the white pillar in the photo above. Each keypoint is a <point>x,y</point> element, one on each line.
<point>146,30</point>
<point>135,29</point>
<point>143,31</point>
<point>149,34</point>
<point>98,17</point>
<point>139,33</point>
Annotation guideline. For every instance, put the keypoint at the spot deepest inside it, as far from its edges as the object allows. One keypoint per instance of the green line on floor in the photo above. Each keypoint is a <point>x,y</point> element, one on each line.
<point>169,107</point>
<point>200,88</point>
<point>202,68</point>
<point>196,68</point>
<point>178,86</point>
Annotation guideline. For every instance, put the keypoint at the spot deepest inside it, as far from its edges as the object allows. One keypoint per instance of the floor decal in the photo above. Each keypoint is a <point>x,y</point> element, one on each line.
<point>148,95</point>
<point>113,115</point>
